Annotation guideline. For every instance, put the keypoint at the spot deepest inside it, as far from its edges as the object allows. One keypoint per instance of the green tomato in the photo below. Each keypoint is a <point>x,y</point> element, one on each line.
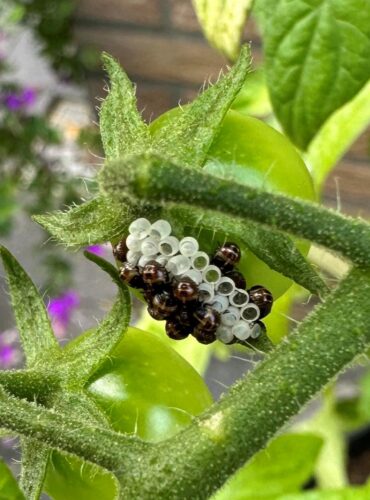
<point>146,389</point>
<point>252,153</point>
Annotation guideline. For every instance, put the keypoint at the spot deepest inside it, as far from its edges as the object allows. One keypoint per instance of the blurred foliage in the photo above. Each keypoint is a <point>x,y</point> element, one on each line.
<point>34,177</point>
<point>313,455</point>
<point>285,466</point>
<point>52,23</point>
<point>9,488</point>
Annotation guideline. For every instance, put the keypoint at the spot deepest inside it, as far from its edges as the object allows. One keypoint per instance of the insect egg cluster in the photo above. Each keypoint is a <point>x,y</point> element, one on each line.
<point>194,293</point>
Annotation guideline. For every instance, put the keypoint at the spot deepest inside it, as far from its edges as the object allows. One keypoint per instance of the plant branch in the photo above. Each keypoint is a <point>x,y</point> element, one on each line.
<point>111,450</point>
<point>149,177</point>
<point>29,384</point>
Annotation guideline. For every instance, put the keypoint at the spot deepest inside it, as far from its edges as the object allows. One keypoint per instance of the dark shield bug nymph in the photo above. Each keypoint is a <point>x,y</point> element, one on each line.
<point>184,315</point>
<point>207,319</point>
<point>227,256</point>
<point>165,303</point>
<point>204,337</point>
<point>175,330</point>
<point>154,274</point>
<point>156,313</point>
<point>120,251</point>
<point>185,290</point>
<point>131,275</point>
<point>262,298</point>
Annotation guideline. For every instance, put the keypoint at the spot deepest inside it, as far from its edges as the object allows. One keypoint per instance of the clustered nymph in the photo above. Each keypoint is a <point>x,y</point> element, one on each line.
<point>195,294</point>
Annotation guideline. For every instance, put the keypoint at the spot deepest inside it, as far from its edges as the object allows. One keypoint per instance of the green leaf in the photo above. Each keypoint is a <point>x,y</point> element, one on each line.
<point>280,253</point>
<point>35,458</point>
<point>188,139</point>
<point>32,319</point>
<point>82,359</point>
<point>331,466</point>
<point>317,59</point>
<point>350,493</point>
<point>364,405</point>
<point>96,221</point>
<point>9,489</point>
<point>223,22</point>
<point>8,204</point>
<point>337,134</point>
<point>122,129</point>
<point>283,467</point>
<point>277,322</point>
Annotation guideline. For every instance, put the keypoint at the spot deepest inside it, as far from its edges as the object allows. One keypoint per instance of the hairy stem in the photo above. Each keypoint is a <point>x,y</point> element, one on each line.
<point>29,384</point>
<point>200,459</point>
<point>151,178</point>
<point>111,450</point>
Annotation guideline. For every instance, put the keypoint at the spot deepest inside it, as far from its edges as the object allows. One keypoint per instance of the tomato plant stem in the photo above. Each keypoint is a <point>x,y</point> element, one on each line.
<point>106,448</point>
<point>28,384</point>
<point>154,179</point>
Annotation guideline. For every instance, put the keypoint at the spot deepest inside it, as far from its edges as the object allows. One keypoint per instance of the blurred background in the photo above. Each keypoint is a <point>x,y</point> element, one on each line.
<point>51,85</point>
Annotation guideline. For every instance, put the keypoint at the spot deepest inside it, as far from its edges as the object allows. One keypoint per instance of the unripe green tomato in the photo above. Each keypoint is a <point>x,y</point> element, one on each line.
<point>252,153</point>
<point>146,389</point>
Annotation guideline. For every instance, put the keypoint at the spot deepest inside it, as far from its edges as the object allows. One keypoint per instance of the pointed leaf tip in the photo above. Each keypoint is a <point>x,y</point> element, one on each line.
<point>122,128</point>
<point>186,137</point>
<point>32,319</point>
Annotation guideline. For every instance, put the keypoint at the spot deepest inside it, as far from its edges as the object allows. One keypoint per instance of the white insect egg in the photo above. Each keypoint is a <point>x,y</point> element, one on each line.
<point>149,246</point>
<point>169,246</point>
<point>133,243</point>
<point>231,316</point>
<point>160,229</point>
<point>224,334</point>
<point>225,286</point>
<point>140,228</point>
<point>133,257</point>
<point>206,292</point>
<point>200,261</point>
<point>195,275</point>
<point>220,303</point>
<point>241,330</point>
<point>188,246</point>
<point>212,274</point>
<point>162,260</point>
<point>250,312</point>
<point>239,298</point>
<point>178,265</point>
<point>144,259</point>
<point>256,331</point>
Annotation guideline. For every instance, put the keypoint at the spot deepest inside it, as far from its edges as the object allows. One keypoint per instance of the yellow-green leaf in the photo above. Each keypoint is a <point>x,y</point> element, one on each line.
<point>222,22</point>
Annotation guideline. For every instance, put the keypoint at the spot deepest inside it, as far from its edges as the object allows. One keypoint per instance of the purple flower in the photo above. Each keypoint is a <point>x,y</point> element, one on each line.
<point>6,355</point>
<point>20,100</point>
<point>12,102</point>
<point>10,354</point>
<point>28,96</point>
<point>60,310</point>
<point>97,250</point>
